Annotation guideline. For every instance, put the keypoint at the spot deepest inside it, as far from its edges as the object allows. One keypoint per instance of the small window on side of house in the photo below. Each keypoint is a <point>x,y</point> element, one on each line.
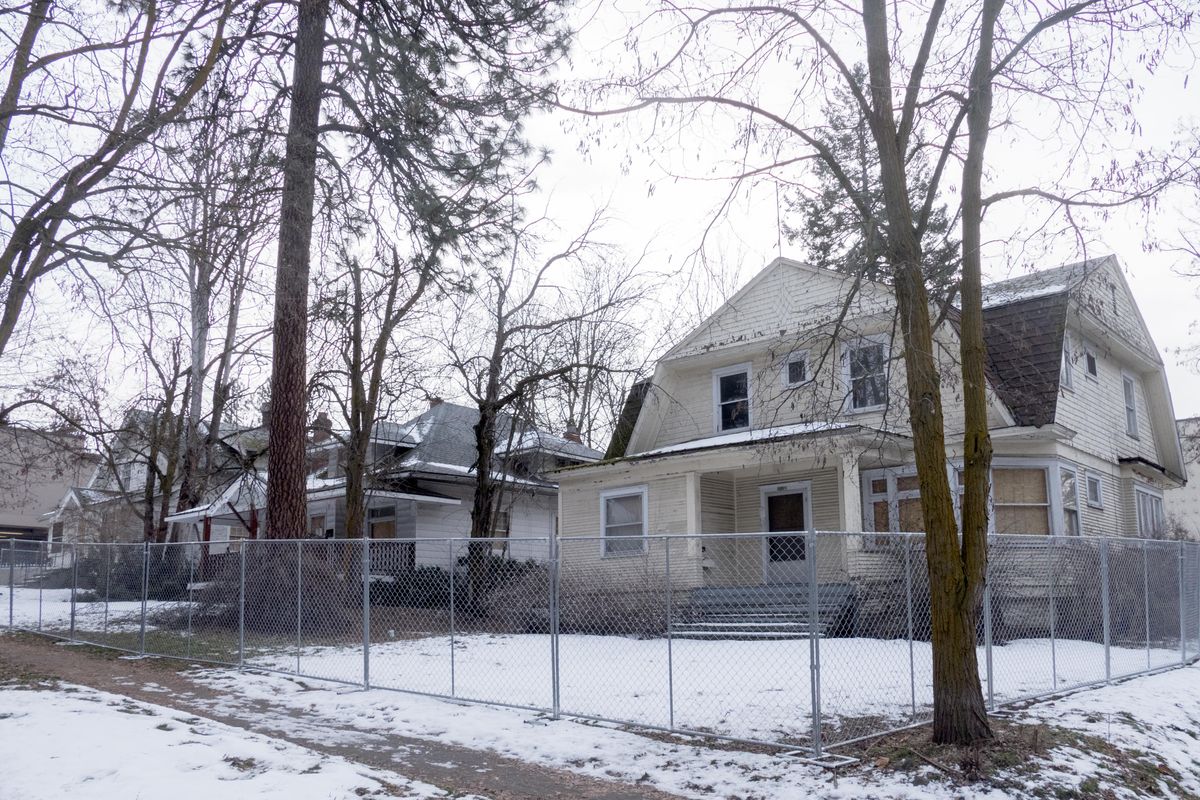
<point>1091,364</point>
<point>795,369</point>
<point>1095,492</point>
<point>1131,420</point>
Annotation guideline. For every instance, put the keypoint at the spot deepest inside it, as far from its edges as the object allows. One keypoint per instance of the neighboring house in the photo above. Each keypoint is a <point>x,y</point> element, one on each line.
<point>36,468</point>
<point>773,416</point>
<point>111,504</point>
<point>420,485</point>
<point>1183,504</point>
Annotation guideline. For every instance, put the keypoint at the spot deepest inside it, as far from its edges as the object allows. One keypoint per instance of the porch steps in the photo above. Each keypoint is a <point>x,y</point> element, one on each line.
<point>770,611</point>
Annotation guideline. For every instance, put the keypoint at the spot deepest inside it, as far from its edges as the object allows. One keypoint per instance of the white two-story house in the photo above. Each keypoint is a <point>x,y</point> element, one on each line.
<point>786,411</point>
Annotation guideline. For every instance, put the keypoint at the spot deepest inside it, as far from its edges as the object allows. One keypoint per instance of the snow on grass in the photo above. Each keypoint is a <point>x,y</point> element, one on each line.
<point>748,689</point>
<point>690,768</point>
<point>80,743</point>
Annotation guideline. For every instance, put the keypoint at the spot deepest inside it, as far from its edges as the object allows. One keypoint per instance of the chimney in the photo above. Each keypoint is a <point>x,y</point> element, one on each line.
<point>322,428</point>
<point>266,414</point>
<point>435,401</point>
<point>571,434</point>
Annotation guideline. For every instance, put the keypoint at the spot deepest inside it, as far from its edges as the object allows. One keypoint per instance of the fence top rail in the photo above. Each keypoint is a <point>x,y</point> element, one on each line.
<point>1022,538</point>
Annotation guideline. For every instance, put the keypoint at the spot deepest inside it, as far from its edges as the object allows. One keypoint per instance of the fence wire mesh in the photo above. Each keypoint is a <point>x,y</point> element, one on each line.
<point>802,639</point>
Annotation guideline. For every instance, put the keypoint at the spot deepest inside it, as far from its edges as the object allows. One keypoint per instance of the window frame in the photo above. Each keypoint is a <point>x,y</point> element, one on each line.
<point>791,358</point>
<point>1063,509</point>
<point>893,495</point>
<point>625,491</point>
<point>1129,399</point>
<point>1090,360</point>
<point>1088,479</point>
<point>848,346</point>
<point>1141,490</point>
<point>724,372</point>
<point>1066,373</point>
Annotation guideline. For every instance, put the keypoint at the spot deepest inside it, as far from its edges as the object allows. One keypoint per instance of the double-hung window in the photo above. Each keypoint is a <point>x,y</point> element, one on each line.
<point>1091,364</point>
<point>1150,518</point>
<point>731,398</point>
<point>866,374</point>
<point>1131,417</point>
<point>1095,492</point>
<point>623,521</point>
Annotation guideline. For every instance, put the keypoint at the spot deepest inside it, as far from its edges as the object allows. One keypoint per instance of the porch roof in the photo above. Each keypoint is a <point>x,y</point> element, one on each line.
<point>745,440</point>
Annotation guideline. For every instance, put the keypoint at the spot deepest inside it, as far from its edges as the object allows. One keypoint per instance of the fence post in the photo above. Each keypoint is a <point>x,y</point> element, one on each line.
<point>1182,636</point>
<point>1053,615</point>
<point>453,682</point>
<point>814,642</point>
<point>1105,610</point>
<point>555,660</point>
<point>12,578</point>
<point>366,609</point>
<point>190,584</point>
<point>908,593</point>
<point>299,597</point>
<point>987,642</point>
<point>242,605</point>
<point>145,594</point>
<point>107,584</point>
<point>46,556</point>
<point>1146,595</point>
<point>670,642</point>
<point>74,585</point>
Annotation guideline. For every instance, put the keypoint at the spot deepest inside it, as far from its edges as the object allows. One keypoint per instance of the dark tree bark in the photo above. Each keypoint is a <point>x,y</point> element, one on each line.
<point>287,515</point>
<point>959,715</point>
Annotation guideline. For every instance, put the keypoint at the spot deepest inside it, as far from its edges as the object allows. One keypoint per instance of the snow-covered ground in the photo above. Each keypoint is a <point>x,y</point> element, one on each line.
<point>50,610</point>
<point>1154,714</point>
<point>71,741</point>
<point>749,689</point>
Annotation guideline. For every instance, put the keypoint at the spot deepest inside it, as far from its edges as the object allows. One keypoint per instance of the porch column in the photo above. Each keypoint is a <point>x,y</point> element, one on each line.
<point>692,500</point>
<point>850,491</point>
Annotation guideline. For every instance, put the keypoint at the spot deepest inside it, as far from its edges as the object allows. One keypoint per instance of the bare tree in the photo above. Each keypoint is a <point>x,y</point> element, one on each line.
<point>83,95</point>
<point>510,337</point>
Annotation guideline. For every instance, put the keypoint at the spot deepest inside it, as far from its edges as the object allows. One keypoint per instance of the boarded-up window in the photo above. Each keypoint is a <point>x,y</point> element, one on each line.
<point>1021,500</point>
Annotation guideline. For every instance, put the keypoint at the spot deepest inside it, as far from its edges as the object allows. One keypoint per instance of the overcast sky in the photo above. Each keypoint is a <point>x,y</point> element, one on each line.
<point>671,215</point>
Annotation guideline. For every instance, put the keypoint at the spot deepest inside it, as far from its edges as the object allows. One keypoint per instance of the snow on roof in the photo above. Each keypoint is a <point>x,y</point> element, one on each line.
<point>549,442</point>
<point>747,437</point>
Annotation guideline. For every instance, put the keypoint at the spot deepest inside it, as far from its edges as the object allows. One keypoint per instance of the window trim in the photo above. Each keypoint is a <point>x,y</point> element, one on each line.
<point>791,358</point>
<point>1129,400</point>
<point>1089,352</point>
<point>1155,494</point>
<point>847,382</point>
<point>1066,373</point>
<point>1087,481</point>
<point>624,491</point>
<point>724,372</point>
<point>1071,468</point>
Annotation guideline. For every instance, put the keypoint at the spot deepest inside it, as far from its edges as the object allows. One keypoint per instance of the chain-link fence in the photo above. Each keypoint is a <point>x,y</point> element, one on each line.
<point>807,640</point>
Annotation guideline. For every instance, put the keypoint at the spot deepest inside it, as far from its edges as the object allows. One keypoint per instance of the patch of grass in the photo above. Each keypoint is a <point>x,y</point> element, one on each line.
<point>241,764</point>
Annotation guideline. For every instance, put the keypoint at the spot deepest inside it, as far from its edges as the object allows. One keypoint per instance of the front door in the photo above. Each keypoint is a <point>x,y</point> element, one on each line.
<point>785,508</point>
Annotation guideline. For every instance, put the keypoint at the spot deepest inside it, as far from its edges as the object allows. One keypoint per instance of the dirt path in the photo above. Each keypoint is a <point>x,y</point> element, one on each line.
<point>164,682</point>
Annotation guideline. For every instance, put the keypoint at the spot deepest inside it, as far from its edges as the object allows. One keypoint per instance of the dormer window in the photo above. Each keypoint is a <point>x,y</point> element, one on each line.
<point>866,373</point>
<point>731,398</point>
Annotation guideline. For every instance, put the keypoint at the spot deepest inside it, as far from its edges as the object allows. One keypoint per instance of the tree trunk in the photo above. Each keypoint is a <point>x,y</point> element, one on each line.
<point>959,715</point>
<point>287,515</point>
